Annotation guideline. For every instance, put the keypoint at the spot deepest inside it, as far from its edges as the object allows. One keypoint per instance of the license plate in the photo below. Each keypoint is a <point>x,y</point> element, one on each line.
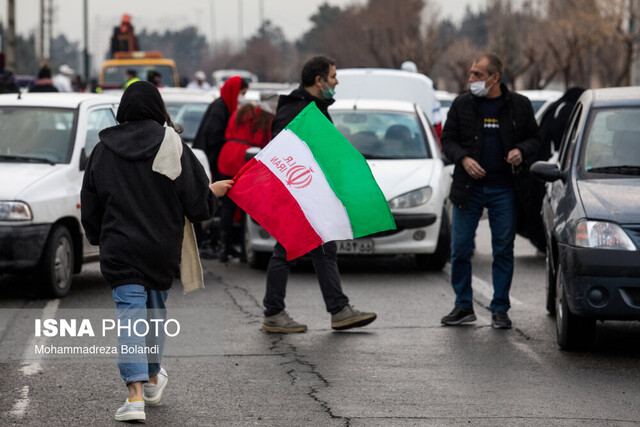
<point>359,246</point>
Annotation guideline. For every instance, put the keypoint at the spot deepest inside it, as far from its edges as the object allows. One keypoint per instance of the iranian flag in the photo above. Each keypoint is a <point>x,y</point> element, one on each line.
<point>309,186</point>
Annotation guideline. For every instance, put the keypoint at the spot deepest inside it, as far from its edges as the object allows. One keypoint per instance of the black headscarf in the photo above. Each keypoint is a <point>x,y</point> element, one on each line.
<point>141,101</point>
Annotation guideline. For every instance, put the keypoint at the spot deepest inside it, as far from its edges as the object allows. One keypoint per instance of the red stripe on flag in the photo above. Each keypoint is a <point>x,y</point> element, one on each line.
<point>265,198</point>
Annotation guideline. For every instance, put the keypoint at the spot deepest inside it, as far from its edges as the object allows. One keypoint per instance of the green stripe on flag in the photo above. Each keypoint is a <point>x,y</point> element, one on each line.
<point>346,171</point>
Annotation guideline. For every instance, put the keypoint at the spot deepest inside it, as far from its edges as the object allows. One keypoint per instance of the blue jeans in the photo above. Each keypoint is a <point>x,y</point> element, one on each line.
<point>502,221</point>
<point>135,302</point>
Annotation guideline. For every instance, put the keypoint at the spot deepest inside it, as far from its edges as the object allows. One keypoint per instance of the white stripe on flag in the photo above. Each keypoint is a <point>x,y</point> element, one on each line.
<point>292,162</point>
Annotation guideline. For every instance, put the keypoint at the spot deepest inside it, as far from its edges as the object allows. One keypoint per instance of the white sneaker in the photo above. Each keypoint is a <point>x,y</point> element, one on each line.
<point>131,411</point>
<point>153,392</point>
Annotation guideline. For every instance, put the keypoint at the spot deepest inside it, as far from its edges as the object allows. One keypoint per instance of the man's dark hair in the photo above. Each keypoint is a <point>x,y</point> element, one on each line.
<point>494,65</point>
<point>316,66</point>
<point>244,84</point>
<point>131,72</point>
<point>44,72</point>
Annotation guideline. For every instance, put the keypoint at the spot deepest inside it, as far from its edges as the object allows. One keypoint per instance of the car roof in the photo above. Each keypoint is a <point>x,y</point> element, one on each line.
<point>187,95</point>
<point>612,96</point>
<point>61,100</point>
<point>374,105</point>
<point>540,95</point>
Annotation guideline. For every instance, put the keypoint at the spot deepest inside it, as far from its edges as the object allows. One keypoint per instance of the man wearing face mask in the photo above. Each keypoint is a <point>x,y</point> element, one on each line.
<point>318,83</point>
<point>488,134</point>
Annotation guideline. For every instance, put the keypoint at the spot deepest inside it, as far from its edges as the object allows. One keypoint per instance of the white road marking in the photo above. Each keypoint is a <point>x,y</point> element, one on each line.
<point>483,288</point>
<point>20,405</point>
<point>33,366</point>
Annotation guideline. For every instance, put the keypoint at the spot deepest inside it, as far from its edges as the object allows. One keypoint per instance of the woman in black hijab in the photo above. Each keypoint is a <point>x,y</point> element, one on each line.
<point>140,184</point>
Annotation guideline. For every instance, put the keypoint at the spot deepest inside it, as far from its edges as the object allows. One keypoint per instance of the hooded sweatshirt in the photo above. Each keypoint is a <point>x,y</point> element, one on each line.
<point>137,215</point>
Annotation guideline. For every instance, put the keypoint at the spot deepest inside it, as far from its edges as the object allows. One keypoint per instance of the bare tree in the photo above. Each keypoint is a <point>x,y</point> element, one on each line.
<point>457,61</point>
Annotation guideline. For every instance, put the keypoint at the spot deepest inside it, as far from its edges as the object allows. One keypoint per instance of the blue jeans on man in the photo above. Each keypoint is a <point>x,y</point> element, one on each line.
<point>500,204</point>
<point>135,302</point>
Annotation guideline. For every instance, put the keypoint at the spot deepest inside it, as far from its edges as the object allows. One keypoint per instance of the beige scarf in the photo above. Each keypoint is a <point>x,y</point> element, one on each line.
<point>167,162</point>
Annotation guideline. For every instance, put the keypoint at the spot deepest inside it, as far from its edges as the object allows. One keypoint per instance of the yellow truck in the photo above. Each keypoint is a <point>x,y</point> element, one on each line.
<point>113,73</point>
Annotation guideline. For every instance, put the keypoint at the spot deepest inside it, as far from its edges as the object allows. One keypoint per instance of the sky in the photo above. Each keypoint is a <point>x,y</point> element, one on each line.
<point>217,20</point>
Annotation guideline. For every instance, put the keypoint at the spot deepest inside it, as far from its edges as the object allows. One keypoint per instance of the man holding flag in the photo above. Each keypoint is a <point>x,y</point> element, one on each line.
<point>307,188</point>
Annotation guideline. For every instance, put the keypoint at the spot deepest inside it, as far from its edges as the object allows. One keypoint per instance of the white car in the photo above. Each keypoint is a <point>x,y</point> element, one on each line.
<point>405,159</point>
<point>186,108</point>
<point>47,139</point>
<point>541,98</point>
<point>446,99</point>
<point>45,144</point>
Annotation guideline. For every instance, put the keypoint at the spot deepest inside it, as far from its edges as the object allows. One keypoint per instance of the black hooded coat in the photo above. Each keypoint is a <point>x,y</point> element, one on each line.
<point>137,215</point>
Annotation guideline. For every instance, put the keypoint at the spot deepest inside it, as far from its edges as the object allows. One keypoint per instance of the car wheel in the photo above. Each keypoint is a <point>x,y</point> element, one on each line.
<point>551,284</point>
<point>437,260</point>
<point>573,332</point>
<point>255,259</point>
<point>56,265</point>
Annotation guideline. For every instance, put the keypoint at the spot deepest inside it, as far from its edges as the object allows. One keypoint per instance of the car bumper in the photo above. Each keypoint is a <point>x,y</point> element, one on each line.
<point>414,234</point>
<point>602,283</point>
<point>21,246</point>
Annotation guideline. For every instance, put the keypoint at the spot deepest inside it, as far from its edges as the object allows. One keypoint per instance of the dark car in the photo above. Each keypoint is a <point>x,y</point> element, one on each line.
<point>591,214</point>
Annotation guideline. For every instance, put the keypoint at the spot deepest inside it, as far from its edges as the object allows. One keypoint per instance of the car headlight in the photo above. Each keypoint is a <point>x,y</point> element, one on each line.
<point>15,211</point>
<point>602,235</point>
<point>412,199</point>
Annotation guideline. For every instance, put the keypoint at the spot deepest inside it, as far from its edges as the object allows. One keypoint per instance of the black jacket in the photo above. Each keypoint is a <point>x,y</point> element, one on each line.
<point>210,135</point>
<point>289,106</point>
<point>135,214</point>
<point>463,134</point>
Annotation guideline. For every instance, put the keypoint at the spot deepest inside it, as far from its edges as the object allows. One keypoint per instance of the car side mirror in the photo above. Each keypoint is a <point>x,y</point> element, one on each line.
<point>547,171</point>
<point>84,159</point>
<point>251,153</point>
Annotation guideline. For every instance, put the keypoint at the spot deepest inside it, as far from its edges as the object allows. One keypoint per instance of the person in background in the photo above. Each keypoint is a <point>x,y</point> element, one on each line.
<point>44,82</point>
<point>488,134</point>
<point>199,82</point>
<point>131,77</point>
<point>123,38</point>
<point>8,82</point>
<point>155,77</point>
<point>249,126</point>
<point>62,80</point>
<point>140,183</point>
<point>318,82</point>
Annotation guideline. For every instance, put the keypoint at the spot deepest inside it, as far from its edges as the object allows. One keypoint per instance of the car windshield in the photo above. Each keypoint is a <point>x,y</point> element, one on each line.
<point>116,74</point>
<point>187,115</point>
<point>612,142</point>
<point>383,134</point>
<point>36,134</point>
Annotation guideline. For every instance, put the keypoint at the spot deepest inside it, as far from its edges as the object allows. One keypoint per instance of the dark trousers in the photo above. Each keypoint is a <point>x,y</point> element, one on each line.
<point>326,266</point>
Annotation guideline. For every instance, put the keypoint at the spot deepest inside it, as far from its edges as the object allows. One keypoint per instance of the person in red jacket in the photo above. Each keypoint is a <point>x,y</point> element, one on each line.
<point>249,126</point>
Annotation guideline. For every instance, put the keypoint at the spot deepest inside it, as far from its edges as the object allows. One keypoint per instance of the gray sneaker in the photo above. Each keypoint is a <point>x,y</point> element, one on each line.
<point>282,323</point>
<point>152,393</point>
<point>350,317</point>
<point>131,411</point>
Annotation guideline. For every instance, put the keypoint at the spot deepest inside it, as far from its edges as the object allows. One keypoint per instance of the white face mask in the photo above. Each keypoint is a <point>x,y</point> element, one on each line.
<point>479,89</point>
<point>241,100</point>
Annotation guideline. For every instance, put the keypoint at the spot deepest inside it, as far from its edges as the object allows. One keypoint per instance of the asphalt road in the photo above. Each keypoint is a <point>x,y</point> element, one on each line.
<point>405,369</point>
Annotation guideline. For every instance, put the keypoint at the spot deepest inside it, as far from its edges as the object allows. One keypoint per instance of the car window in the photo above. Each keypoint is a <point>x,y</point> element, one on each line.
<point>612,139</point>
<point>32,133</point>
<point>97,120</point>
<point>382,134</point>
<point>187,115</point>
<point>116,74</point>
<point>570,137</point>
